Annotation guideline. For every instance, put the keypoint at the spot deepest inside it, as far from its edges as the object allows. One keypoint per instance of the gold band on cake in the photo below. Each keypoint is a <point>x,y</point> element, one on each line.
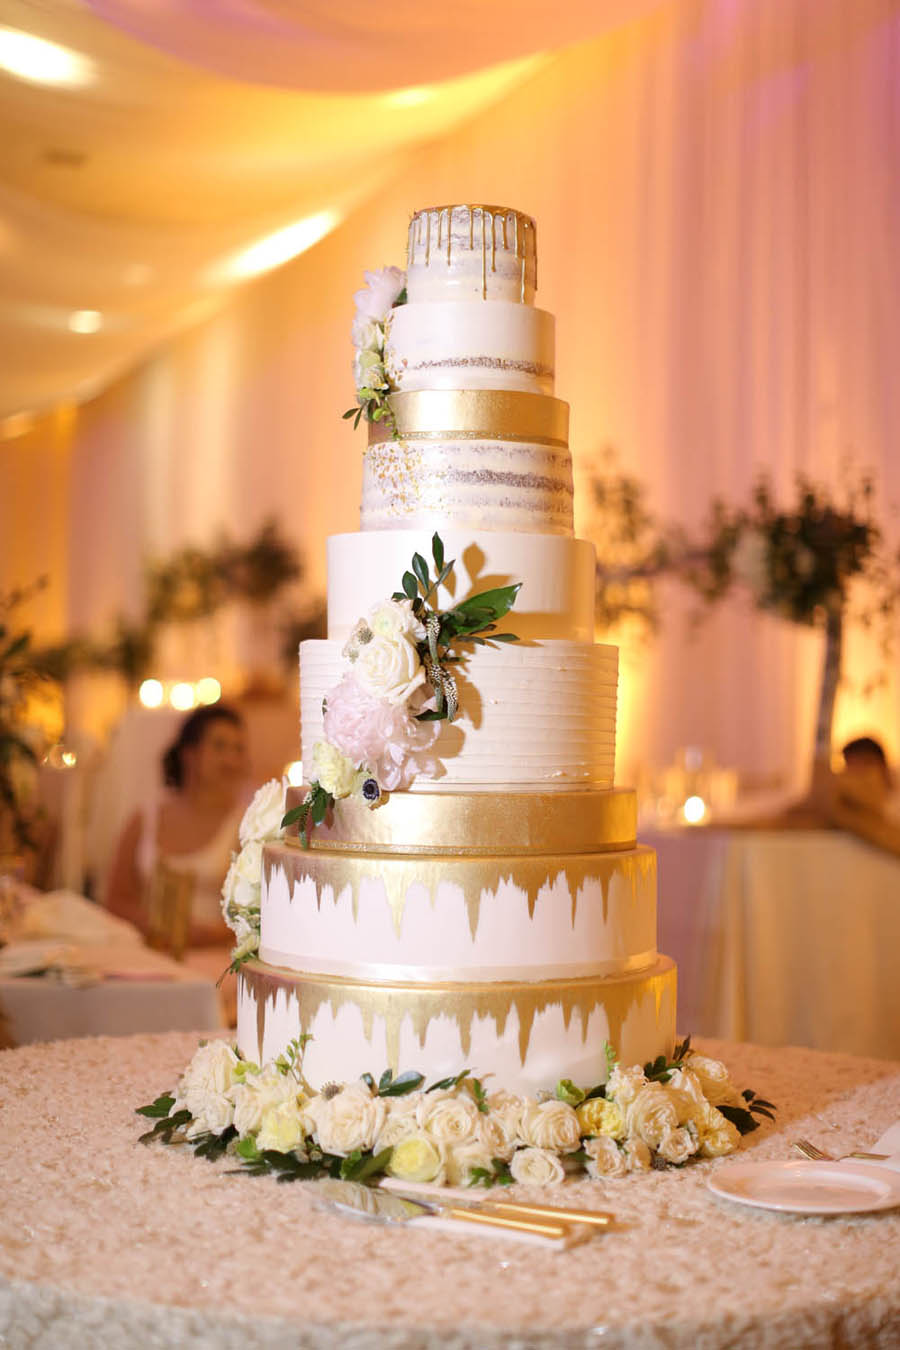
<point>474,823</point>
<point>477,877</point>
<point>475,414</point>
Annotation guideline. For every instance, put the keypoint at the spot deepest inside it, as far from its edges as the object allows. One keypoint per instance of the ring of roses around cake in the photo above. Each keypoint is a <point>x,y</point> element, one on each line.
<point>475,414</point>
<point>578,820</point>
<point>392,1003</point>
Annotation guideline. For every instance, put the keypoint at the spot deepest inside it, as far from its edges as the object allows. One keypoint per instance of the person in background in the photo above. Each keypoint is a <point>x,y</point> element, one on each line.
<point>187,834</point>
<point>862,799</point>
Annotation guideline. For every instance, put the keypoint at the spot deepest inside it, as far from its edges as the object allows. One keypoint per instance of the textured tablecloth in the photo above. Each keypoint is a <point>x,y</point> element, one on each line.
<point>787,937</point>
<point>105,1243</point>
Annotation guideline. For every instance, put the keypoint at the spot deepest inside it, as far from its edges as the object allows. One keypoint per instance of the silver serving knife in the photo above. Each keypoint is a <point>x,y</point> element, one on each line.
<point>373,1205</point>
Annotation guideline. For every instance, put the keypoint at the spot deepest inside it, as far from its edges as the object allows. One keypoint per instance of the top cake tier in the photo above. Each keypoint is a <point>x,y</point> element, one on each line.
<point>469,252</point>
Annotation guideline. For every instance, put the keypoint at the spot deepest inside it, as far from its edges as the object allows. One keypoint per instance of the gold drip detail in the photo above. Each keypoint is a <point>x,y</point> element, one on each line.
<point>392,1004</point>
<point>478,878</point>
<point>489,219</point>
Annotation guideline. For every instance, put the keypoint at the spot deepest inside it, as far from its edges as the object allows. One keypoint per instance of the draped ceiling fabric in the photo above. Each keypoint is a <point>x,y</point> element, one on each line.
<point>718,203</point>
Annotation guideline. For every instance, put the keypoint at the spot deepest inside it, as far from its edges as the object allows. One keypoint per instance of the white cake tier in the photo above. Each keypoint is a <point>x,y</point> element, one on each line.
<point>467,344</point>
<point>478,484</point>
<point>557,575</point>
<point>465,251</point>
<point>449,917</point>
<point>527,1036</point>
<point>536,716</point>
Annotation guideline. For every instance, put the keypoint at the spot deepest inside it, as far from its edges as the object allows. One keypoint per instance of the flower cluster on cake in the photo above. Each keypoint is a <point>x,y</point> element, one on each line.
<point>460,883</point>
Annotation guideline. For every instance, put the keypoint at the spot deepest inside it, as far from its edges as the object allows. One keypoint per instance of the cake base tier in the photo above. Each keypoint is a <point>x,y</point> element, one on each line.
<point>450,917</point>
<point>526,1035</point>
<point>576,821</point>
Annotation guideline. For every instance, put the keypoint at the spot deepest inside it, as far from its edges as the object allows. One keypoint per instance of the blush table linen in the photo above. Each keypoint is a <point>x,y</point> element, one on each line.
<point>782,937</point>
<point>107,1243</point>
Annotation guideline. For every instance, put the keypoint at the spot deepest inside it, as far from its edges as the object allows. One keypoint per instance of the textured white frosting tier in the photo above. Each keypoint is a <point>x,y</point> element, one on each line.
<point>476,484</point>
<point>350,1038</point>
<point>537,715</point>
<point>468,344</point>
<point>469,251</point>
<point>557,575</point>
<point>451,918</point>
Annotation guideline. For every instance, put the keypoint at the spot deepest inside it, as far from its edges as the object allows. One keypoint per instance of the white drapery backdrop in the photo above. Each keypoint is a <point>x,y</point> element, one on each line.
<point>717,197</point>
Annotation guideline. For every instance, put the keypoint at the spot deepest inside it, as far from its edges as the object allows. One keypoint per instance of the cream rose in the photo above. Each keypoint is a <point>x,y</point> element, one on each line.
<point>684,1080</point>
<point>262,819</point>
<point>506,1112</point>
<point>536,1167</point>
<point>448,1119</point>
<point>494,1138</point>
<point>462,1158</point>
<point>714,1081</point>
<point>415,1158</point>
<point>623,1085</point>
<point>677,1146</point>
<point>204,1088</point>
<point>605,1158</point>
<point>366,333</point>
<point>637,1155</point>
<point>717,1135</point>
<point>281,1128</point>
<point>243,880</point>
<point>349,1120</point>
<point>377,297</point>
<point>651,1114</point>
<point>553,1125</point>
<point>334,771</point>
<point>389,668</point>
<point>598,1116</point>
<point>258,1093</point>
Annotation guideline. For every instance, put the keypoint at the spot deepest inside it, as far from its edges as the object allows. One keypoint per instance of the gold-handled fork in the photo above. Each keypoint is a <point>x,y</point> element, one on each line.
<point>818,1155</point>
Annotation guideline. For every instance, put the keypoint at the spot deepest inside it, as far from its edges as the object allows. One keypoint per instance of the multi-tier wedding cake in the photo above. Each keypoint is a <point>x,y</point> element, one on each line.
<point>470,893</point>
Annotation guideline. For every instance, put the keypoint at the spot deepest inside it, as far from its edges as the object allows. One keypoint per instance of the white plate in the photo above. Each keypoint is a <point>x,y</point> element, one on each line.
<point>808,1187</point>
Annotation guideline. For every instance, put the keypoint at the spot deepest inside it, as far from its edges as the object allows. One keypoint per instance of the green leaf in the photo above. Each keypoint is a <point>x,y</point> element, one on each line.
<point>739,1117</point>
<point>214,1146</point>
<point>610,1056</point>
<point>160,1108</point>
<point>406,1083</point>
<point>496,602</point>
<point>410,586</point>
<point>566,1091</point>
<point>351,412</point>
<point>420,567</point>
<point>246,1149</point>
<point>437,551</point>
<point>399,595</point>
<point>445,1084</point>
<point>480,1095</point>
<point>504,637</point>
<point>296,813</point>
<point>385,1080</point>
<point>359,1166</point>
<point>681,1050</point>
<point>369,1081</point>
<point>322,802</point>
<point>432,715</point>
<point>350,1164</point>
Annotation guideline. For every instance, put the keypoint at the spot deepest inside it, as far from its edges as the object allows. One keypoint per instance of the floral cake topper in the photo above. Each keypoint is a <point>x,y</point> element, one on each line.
<point>379,721</point>
<point>384,290</point>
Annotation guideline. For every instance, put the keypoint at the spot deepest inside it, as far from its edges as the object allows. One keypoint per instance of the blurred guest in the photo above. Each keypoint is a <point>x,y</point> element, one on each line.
<point>173,854</point>
<point>862,798</point>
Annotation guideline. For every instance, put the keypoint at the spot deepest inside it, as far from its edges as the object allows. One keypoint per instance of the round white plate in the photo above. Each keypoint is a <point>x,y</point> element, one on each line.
<point>808,1187</point>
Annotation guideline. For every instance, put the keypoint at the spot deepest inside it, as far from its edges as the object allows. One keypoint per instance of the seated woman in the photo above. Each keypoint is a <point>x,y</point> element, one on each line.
<point>172,857</point>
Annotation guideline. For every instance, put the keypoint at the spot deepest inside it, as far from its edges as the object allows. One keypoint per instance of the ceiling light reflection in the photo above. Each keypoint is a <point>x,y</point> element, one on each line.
<point>408,98</point>
<point>278,248</point>
<point>43,62</point>
<point>86,321</point>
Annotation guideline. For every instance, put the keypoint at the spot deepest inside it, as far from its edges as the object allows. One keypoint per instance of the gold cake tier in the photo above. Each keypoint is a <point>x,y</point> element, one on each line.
<point>476,415</point>
<point>392,1004</point>
<point>478,823</point>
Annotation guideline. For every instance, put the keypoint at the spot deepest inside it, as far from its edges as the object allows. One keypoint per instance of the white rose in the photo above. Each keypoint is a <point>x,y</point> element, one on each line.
<point>460,1159</point>
<point>606,1159</point>
<point>204,1088</point>
<point>651,1114</point>
<point>281,1127</point>
<point>677,1146</point>
<point>714,1081</point>
<point>262,819</point>
<point>494,1138</point>
<point>389,668</point>
<point>351,1119</point>
<point>506,1112</point>
<point>637,1155</point>
<point>536,1167</point>
<point>684,1080</point>
<point>553,1125</point>
<point>243,881</point>
<point>717,1135</point>
<point>395,618</point>
<point>394,1130</point>
<point>416,1158</point>
<point>334,771</point>
<point>258,1093</point>
<point>448,1119</point>
<point>368,372</point>
<point>689,1109</point>
<point>366,334</point>
<point>623,1085</point>
<point>376,299</point>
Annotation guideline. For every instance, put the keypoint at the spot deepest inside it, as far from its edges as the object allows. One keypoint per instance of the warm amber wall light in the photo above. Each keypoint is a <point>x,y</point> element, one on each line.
<point>33,58</point>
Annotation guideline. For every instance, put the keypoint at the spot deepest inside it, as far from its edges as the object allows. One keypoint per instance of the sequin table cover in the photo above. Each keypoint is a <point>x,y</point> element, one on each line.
<point>105,1243</point>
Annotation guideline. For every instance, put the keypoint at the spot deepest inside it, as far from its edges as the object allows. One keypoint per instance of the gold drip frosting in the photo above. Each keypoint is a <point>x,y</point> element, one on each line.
<point>472,823</point>
<point>392,1004</point>
<point>431,236</point>
<point>478,877</point>
<point>475,414</point>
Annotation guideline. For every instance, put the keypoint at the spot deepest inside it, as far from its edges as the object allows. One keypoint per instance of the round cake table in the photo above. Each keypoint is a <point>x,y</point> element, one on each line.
<point>106,1243</point>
